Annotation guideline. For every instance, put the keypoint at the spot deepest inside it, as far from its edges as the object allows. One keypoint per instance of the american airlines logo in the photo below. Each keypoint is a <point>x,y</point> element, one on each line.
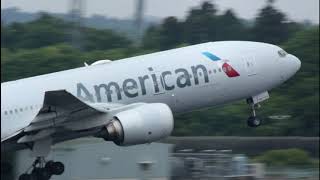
<point>161,81</point>
<point>229,70</point>
<point>133,87</point>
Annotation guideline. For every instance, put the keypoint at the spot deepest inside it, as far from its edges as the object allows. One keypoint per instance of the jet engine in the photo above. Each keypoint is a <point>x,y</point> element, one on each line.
<point>143,124</point>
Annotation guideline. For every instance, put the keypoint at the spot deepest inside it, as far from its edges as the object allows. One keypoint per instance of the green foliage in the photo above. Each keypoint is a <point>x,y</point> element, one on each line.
<point>204,24</point>
<point>285,157</point>
<point>42,32</point>
<point>302,39</point>
<point>47,31</point>
<point>200,24</point>
<point>304,87</point>
<point>151,38</point>
<point>103,39</point>
<point>25,63</point>
<point>22,63</point>
<point>270,26</point>
<point>170,33</point>
<point>229,27</point>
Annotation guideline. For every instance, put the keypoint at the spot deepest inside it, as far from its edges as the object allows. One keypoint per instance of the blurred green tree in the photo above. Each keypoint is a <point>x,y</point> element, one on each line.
<point>166,36</point>
<point>48,30</point>
<point>104,39</point>
<point>229,27</point>
<point>271,25</point>
<point>44,31</point>
<point>170,33</point>
<point>285,157</point>
<point>199,25</point>
<point>151,38</point>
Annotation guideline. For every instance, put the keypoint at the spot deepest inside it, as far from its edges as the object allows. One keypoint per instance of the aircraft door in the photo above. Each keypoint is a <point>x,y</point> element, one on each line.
<point>250,65</point>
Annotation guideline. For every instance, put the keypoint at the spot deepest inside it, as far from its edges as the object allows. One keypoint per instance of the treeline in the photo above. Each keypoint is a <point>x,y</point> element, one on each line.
<point>204,24</point>
<point>50,44</point>
<point>48,30</point>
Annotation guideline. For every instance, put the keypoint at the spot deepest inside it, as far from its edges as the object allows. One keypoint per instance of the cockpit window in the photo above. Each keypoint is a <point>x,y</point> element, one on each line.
<point>282,53</point>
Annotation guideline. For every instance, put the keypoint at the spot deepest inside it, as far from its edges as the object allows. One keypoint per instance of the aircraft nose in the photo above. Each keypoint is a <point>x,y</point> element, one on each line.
<point>295,63</point>
<point>291,65</point>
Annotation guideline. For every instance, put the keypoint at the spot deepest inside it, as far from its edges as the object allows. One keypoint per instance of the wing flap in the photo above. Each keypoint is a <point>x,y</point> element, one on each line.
<point>40,135</point>
<point>60,106</point>
<point>63,113</point>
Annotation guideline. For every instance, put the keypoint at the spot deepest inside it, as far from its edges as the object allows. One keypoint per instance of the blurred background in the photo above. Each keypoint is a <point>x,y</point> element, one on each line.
<point>39,37</point>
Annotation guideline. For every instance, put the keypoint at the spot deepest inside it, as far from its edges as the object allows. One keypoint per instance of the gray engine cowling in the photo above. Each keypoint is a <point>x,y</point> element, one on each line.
<point>143,124</point>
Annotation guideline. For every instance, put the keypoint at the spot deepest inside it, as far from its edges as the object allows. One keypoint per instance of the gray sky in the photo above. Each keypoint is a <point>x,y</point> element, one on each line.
<point>297,10</point>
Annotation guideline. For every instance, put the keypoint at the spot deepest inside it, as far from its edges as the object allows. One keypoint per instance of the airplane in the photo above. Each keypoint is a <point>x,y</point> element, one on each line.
<point>133,101</point>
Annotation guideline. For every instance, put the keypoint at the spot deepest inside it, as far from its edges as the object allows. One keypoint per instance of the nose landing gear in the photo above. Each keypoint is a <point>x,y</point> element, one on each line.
<point>254,101</point>
<point>253,121</point>
<point>42,170</point>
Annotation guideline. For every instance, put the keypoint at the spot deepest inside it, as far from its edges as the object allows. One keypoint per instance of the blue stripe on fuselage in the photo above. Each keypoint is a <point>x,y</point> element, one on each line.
<point>211,56</point>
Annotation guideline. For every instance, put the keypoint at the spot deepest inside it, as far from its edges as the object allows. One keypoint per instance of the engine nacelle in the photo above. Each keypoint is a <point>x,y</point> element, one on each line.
<point>143,124</point>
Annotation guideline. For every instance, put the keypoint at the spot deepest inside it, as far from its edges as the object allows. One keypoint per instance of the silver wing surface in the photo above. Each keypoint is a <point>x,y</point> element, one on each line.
<point>63,117</point>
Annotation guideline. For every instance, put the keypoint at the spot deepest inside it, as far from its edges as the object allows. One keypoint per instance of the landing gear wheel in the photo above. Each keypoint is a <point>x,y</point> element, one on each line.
<point>49,164</point>
<point>253,121</point>
<point>42,170</point>
<point>56,168</point>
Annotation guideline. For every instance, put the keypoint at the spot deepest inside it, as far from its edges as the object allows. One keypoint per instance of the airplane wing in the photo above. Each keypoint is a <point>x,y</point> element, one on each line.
<point>63,114</point>
<point>64,117</point>
<point>59,107</point>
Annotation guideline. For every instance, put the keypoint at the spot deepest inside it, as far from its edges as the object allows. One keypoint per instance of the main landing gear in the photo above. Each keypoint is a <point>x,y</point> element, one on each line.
<point>253,121</point>
<point>42,170</point>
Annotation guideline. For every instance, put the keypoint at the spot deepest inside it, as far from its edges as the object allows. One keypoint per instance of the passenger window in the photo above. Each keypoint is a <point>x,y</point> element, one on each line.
<point>219,69</point>
<point>5,112</point>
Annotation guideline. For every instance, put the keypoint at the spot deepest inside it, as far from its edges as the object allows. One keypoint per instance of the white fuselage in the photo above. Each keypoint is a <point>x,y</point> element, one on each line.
<point>183,78</point>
